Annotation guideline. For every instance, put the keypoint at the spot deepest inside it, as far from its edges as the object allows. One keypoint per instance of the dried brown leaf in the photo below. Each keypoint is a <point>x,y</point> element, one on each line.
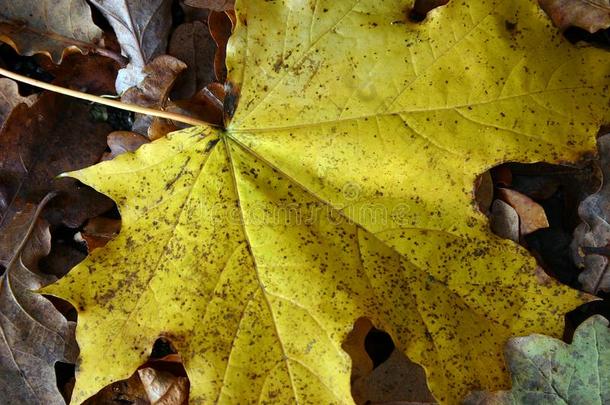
<point>120,142</point>
<point>504,221</point>
<point>160,127</point>
<point>164,388</point>
<point>142,28</point>
<point>591,15</point>
<point>154,90</point>
<point>94,74</point>
<point>37,143</point>
<point>531,215</point>
<point>49,27</point>
<point>34,334</point>
<point>193,44</point>
<point>99,231</point>
<point>221,27</point>
<point>206,105</point>
<point>10,98</point>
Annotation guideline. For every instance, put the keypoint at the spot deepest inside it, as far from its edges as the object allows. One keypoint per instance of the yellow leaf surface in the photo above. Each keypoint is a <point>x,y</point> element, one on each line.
<point>341,188</point>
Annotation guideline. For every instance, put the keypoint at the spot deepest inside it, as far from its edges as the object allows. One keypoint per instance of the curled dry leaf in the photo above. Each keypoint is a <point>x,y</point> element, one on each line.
<point>10,98</point>
<point>34,334</point>
<point>592,237</point>
<point>504,221</point>
<point>531,214</point>
<point>592,15</point>
<point>164,388</point>
<point>142,29</point>
<point>216,5</point>
<point>221,27</point>
<point>40,142</point>
<point>548,371</point>
<point>193,44</point>
<point>39,26</point>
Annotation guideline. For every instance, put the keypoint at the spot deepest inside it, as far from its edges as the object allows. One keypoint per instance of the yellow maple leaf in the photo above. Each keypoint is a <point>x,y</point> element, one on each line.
<point>341,188</point>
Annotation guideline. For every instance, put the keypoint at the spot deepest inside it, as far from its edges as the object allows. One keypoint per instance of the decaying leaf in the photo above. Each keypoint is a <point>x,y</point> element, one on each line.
<point>164,388</point>
<point>38,143</point>
<point>531,214</point>
<point>592,15</point>
<point>220,27</point>
<point>34,334</point>
<point>10,98</point>
<point>39,26</point>
<point>142,29</point>
<point>153,91</point>
<point>592,237</point>
<point>192,43</point>
<point>93,73</point>
<point>548,371</point>
<point>341,188</point>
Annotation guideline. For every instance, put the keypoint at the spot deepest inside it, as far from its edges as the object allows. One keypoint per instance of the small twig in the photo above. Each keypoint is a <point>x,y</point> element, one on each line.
<point>105,101</point>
